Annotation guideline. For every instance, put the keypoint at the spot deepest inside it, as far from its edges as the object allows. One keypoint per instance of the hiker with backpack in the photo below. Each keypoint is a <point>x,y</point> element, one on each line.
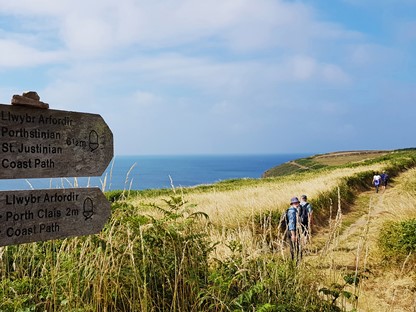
<point>292,218</point>
<point>376,181</point>
<point>384,180</point>
<point>305,217</point>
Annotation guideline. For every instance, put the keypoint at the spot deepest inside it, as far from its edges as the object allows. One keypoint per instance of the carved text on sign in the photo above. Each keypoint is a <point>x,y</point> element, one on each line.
<point>39,215</point>
<point>36,143</point>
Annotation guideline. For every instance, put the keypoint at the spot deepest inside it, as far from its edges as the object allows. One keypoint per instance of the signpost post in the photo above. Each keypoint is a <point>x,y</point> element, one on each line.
<point>44,143</point>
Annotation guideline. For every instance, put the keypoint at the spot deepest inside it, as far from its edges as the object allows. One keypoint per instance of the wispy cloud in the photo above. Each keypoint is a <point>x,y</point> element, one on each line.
<point>223,75</point>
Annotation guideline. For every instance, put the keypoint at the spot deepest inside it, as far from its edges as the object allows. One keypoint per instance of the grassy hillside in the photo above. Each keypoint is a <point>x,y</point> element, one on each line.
<point>376,243</point>
<point>326,160</point>
<point>221,247</point>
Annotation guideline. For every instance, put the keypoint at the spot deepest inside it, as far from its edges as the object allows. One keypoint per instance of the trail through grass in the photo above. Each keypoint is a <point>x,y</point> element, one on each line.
<point>161,252</point>
<point>354,249</point>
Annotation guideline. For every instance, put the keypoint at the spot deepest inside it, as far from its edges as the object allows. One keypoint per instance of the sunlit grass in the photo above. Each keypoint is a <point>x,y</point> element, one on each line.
<point>234,213</point>
<point>387,286</point>
<point>157,253</point>
<point>336,159</point>
<point>232,208</point>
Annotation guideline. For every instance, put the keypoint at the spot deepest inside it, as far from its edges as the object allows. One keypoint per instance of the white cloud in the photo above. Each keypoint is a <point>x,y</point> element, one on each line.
<point>368,54</point>
<point>143,99</point>
<point>200,70</point>
<point>83,34</point>
<point>40,7</point>
<point>303,67</point>
<point>100,27</point>
<point>15,54</point>
<point>334,74</point>
<point>197,73</point>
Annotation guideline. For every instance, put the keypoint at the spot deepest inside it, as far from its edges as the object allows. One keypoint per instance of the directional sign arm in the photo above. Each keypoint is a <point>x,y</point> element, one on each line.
<point>36,143</point>
<point>40,215</point>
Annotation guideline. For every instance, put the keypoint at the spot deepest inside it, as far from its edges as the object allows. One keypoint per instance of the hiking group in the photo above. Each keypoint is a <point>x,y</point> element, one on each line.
<point>380,180</point>
<point>299,224</point>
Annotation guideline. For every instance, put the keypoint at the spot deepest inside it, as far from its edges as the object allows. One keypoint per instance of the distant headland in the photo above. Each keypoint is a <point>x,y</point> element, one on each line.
<point>319,161</point>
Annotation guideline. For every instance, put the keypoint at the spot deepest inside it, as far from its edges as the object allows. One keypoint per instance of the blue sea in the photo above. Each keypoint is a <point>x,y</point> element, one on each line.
<point>156,172</point>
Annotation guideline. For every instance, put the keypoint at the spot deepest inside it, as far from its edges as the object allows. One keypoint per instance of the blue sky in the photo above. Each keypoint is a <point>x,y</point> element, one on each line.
<point>221,76</point>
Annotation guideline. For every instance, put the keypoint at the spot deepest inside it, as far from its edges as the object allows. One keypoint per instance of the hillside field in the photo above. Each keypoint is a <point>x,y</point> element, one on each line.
<point>324,160</point>
<point>223,247</point>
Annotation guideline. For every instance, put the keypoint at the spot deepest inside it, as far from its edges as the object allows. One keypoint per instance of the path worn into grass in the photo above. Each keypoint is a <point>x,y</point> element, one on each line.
<point>375,210</point>
<point>352,249</point>
<point>294,163</point>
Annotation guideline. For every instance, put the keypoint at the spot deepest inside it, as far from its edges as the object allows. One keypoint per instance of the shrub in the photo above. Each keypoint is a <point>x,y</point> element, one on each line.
<point>398,239</point>
<point>265,283</point>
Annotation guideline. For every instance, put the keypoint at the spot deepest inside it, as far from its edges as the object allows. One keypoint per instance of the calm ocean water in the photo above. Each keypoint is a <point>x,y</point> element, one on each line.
<point>154,172</point>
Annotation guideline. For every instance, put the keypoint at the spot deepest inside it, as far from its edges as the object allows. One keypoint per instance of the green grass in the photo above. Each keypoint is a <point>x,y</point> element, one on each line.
<point>282,170</point>
<point>310,163</point>
<point>169,260</point>
<point>334,160</point>
<point>397,240</point>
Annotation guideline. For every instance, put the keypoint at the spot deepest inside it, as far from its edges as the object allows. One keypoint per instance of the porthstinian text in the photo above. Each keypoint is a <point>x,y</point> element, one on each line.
<point>29,134</point>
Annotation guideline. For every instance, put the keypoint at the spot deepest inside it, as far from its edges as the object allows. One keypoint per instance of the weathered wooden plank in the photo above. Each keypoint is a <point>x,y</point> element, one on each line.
<point>40,215</point>
<point>46,143</point>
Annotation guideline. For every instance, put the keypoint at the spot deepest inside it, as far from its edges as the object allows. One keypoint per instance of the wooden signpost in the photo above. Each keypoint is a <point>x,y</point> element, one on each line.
<point>36,142</point>
<point>45,143</point>
<point>40,215</point>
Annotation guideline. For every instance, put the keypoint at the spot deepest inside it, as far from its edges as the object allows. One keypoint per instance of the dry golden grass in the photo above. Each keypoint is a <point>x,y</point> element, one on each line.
<point>353,249</point>
<point>336,159</point>
<point>233,208</point>
<point>232,212</point>
<point>387,288</point>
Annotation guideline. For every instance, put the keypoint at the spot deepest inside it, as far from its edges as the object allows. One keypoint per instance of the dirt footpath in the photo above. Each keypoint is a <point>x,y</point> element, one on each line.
<point>349,247</point>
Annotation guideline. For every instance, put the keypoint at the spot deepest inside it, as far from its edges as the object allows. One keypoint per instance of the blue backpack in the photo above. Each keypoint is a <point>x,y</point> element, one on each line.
<point>291,219</point>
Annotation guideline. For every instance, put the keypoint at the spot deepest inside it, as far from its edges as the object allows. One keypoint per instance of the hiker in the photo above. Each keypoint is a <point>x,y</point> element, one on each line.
<point>384,179</point>
<point>376,181</point>
<point>292,214</point>
<point>305,216</point>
